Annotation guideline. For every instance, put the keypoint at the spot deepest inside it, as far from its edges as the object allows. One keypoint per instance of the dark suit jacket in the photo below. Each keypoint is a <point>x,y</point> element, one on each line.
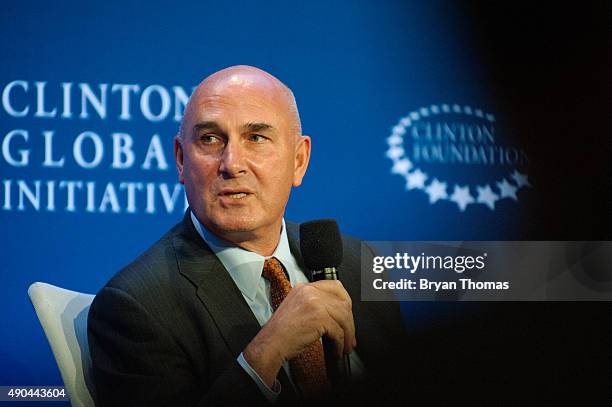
<point>166,330</point>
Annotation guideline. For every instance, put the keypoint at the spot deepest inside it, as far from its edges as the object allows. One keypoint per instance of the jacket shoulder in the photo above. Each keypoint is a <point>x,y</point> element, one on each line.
<point>151,268</point>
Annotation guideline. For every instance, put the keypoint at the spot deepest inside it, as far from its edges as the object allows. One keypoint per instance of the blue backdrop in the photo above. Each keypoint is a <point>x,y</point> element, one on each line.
<point>411,139</point>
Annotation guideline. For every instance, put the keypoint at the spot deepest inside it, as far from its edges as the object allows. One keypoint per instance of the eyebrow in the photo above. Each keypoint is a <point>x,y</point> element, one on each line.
<point>207,126</point>
<point>257,126</point>
<point>249,127</point>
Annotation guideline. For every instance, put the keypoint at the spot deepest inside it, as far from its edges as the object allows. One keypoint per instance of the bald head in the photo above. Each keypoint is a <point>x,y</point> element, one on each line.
<point>248,81</point>
<point>239,154</point>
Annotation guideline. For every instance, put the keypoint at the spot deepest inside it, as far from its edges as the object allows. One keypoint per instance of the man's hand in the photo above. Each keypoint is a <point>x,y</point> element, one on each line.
<point>308,312</point>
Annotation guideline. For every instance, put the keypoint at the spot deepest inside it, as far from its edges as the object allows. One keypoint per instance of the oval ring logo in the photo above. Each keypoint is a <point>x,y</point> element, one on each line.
<point>461,141</point>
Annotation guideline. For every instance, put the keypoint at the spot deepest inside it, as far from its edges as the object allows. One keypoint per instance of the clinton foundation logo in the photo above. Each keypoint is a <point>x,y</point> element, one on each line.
<point>457,154</point>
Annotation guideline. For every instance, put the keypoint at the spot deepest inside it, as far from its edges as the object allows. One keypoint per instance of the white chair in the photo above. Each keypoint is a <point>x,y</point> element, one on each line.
<point>63,316</point>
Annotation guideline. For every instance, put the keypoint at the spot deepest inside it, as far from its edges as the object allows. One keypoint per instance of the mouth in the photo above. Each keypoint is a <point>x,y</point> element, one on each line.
<point>235,194</point>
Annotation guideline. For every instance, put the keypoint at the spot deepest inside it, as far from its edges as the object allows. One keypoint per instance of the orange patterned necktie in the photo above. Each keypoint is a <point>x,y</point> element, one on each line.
<point>307,368</point>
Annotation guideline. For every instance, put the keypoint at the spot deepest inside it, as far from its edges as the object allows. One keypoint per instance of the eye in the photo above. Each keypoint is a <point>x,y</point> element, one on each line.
<point>257,138</point>
<point>209,139</point>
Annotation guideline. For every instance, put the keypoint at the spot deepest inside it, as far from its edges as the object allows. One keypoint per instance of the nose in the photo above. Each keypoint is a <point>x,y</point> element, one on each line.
<point>232,162</point>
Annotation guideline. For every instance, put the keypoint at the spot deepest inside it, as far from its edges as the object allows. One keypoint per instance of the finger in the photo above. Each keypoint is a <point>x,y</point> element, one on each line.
<point>333,287</point>
<point>343,316</point>
<point>335,333</point>
<point>334,292</point>
<point>326,308</point>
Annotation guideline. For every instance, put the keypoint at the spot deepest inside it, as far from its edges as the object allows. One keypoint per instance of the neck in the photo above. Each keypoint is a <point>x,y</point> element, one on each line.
<point>263,245</point>
<point>262,241</point>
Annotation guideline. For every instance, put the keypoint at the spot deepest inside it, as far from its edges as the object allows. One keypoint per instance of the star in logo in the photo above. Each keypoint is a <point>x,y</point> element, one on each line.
<point>487,196</point>
<point>399,130</point>
<point>416,179</point>
<point>401,166</point>
<point>436,190</point>
<point>520,179</point>
<point>394,140</point>
<point>395,152</point>
<point>507,190</point>
<point>461,196</point>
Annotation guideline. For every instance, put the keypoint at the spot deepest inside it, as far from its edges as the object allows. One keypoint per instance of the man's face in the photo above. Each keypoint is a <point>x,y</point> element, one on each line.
<point>240,156</point>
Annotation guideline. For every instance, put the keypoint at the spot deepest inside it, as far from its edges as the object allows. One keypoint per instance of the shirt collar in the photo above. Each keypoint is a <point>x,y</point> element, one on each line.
<point>244,267</point>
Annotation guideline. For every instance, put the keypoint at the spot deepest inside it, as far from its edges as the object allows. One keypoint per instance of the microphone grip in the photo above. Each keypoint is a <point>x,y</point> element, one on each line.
<point>338,369</point>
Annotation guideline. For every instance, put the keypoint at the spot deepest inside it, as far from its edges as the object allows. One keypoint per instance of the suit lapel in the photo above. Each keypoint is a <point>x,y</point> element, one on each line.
<point>215,288</point>
<point>218,292</point>
<point>294,245</point>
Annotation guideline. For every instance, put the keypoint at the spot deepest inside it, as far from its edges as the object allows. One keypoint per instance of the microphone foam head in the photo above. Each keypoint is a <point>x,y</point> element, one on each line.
<point>321,244</point>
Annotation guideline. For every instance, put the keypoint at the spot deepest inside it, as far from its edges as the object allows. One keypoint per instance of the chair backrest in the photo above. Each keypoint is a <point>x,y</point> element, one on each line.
<point>63,316</point>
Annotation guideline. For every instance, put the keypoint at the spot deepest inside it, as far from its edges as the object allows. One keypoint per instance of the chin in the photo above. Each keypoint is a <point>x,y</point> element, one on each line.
<point>235,224</point>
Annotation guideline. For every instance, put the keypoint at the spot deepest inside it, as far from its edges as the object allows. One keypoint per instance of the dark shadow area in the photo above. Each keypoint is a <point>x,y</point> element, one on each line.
<point>548,66</point>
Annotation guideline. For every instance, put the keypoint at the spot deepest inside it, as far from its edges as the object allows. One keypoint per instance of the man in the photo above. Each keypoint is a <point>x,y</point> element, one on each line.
<point>198,319</point>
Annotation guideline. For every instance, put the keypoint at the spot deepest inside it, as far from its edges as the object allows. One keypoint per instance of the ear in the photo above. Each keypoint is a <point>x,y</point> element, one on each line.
<point>302,157</point>
<point>178,157</point>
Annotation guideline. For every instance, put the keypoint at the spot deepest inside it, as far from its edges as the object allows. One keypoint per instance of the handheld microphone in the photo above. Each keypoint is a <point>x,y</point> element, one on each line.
<point>321,247</point>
